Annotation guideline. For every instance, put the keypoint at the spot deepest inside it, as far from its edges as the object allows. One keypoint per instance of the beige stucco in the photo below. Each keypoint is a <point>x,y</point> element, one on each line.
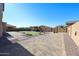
<point>73,31</point>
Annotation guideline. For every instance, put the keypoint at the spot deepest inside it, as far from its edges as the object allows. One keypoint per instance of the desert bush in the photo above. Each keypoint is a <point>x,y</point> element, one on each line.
<point>29,34</point>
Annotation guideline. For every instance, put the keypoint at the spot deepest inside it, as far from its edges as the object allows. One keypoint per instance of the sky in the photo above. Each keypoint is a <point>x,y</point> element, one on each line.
<point>36,14</point>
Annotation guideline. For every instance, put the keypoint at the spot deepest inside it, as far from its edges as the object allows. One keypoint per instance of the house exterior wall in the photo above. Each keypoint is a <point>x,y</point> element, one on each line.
<point>10,28</point>
<point>73,32</point>
<point>58,29</point>
<point>1,16</point>
<point>1,11</point>
<point>62,29</point>
<point>1,7</point>
<point>1,29</point>
<point>4,26</point>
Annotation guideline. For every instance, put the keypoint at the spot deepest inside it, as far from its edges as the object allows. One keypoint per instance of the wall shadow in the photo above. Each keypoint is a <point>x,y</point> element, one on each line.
<point>7,48</point>
<point>7,35</point>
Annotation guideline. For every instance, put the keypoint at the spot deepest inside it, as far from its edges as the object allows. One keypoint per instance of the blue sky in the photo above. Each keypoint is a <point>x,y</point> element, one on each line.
<point>49,14</point>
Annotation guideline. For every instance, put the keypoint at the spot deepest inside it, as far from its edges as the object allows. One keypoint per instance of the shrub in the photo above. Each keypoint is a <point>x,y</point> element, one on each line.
<point>29,34</point>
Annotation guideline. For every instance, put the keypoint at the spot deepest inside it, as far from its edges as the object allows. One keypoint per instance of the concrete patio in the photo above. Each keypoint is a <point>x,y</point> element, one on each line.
<point>50,44</point>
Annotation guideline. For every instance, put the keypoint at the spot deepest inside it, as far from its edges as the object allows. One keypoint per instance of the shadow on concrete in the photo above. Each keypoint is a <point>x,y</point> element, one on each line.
<point>70,46</point>
<point>7,48</point>
<point>7,35</point>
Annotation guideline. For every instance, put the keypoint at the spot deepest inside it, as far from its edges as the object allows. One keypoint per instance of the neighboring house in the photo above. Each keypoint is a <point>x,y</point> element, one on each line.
<point>1,16</point>
<point>10,27</point>
<point>62,28</point>
<point>73,31</point>
<point>41,28</point>
<point>59,29</point>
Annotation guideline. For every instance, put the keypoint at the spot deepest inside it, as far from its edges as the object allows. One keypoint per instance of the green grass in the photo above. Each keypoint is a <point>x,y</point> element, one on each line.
<point>31,33</point>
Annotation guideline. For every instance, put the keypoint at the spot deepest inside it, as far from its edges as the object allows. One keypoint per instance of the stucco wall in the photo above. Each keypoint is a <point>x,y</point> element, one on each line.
<point>1,7</point>
<point>73,31</point>
<point>57,30</point>
<point>1,11</point>
<point>4,26</point>
<point>1,29</point>
<point>1,16</point>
